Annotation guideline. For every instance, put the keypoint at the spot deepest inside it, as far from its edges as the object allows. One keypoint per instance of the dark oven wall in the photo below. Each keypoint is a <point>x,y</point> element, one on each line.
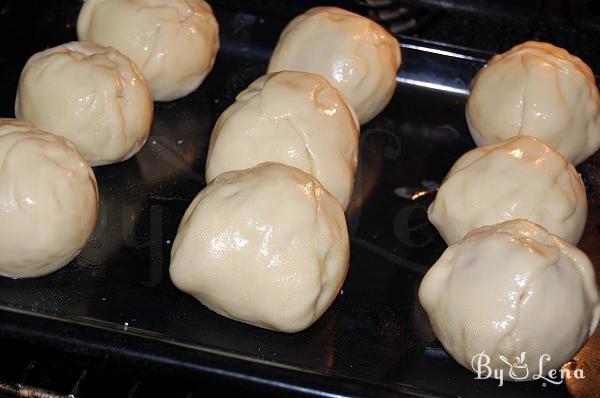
<point>488,26</point>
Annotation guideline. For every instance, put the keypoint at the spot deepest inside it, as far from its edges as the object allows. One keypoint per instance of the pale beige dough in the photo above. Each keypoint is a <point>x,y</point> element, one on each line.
<point>92,95</point>
<point>520,177</point>
<point>508,289</point>
<point>540,90</point>
<point>294,118</point>
<point>48,200</point>
<point>266,246</point>
<point>173,42</point>
<point>358,56</point>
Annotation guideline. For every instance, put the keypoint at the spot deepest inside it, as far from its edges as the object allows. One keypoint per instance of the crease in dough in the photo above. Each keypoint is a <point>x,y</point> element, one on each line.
<point>273,254</point>
<point>522,269</point>
<point>540,90</point>
<point>295,118</point>
<point>520,177</point>
<point>90,94</point>
<point>358,57</point>
<point>48,200</point>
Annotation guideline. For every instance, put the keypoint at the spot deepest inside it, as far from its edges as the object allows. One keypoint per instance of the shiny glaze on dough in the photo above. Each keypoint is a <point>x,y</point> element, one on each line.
<point>540,90</point>
<point>92,95</point>
<point>173,42</point>
<point>511,288</point>
<point>520,177</point>
<point>266,246</point>
<point>358,56</point>
<point>294,118</point>
<point>48,200</point>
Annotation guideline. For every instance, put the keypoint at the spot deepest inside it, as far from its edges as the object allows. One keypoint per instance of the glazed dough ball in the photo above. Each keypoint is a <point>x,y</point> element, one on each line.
<point>358,56</point>
<point>93,95</point>
<point>511,288</point>
<point>173,42</point>
<point>540,90</point>
<point>48,200</point>
<point>517,178</point>
<point>294,118</point>
<point>266,246</point>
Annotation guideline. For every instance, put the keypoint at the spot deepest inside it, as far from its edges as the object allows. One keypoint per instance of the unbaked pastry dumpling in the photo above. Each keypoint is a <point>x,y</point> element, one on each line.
<point>173,42</point>
<point>540,90</point>
<point>266,246</point>
<point>294,118</point>
<point>508,289</point>
<point>358,56</point>
<point>91,94</point>
<point>48,200</point>
<point>517,178</point>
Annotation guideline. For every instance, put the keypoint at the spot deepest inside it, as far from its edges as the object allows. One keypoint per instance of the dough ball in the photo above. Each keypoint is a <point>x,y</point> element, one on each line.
<point>266,246</point>
<point>294,118</point>
<point>173,42</point>
<point>508,289</point>
<point>90,94</point>
<point>540,90</point>
<point>520,177</point>
<point>48,200</point>
<point>358,56</point>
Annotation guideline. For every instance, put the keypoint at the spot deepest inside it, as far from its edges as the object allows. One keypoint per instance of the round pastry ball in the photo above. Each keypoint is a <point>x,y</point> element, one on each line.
<point>92,95</point>
<point>509,289</point>
<point>173,42</point>
<point>294,118</point>
<point>266,246</point>
<point>520,177</point>
<point>48,200</point>
<point>540,90</point>
<point>358,56</point>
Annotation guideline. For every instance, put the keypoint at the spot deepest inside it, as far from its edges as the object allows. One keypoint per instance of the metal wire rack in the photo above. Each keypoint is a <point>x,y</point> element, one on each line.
<point>32,371</point>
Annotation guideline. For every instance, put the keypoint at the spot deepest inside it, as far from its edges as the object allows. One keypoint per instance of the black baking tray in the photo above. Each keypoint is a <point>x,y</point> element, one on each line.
<point>116,300</point>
